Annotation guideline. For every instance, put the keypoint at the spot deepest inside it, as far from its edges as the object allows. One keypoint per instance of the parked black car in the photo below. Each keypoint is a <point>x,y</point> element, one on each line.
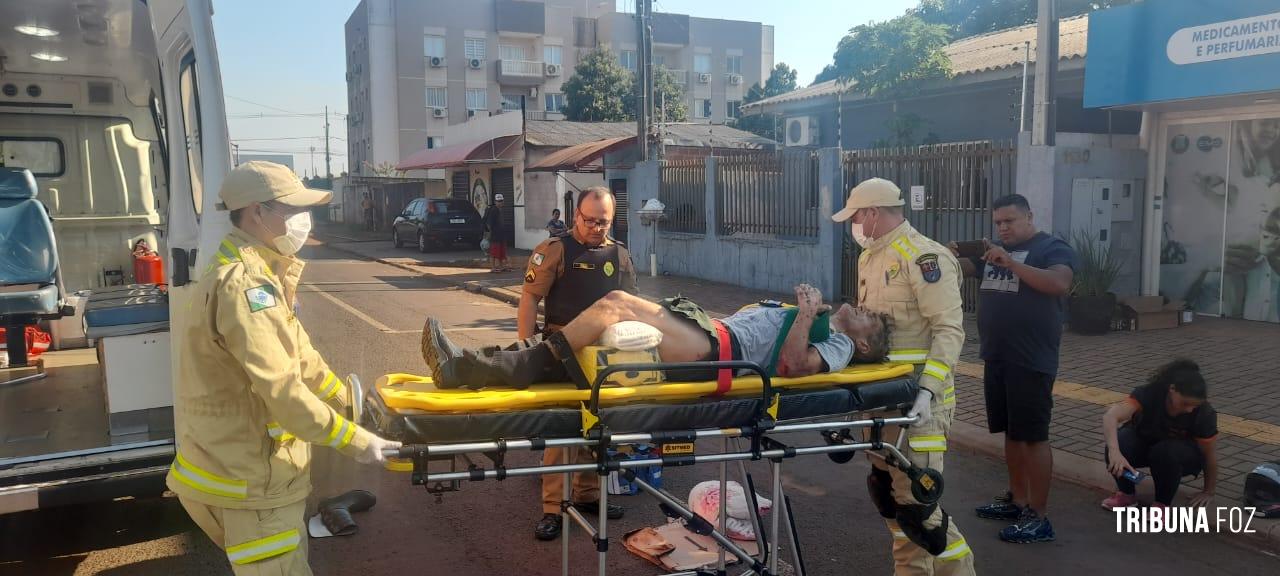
<point>435,222</point>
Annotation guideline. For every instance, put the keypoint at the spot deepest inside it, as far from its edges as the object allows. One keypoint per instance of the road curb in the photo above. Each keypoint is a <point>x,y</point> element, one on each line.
<point>964,437</point>
<point>971,439</point>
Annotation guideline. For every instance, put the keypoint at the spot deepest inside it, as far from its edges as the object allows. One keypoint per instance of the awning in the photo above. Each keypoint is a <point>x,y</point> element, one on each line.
<point>574,158</point>
<point>500,149</point>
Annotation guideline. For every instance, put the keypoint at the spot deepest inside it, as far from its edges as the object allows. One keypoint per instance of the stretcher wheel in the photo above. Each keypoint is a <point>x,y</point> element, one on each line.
<point>835,438</point>
<point>926,485</point>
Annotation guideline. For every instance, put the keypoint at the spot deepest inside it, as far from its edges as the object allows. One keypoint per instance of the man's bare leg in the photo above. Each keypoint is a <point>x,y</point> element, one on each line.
<point>682,341</point>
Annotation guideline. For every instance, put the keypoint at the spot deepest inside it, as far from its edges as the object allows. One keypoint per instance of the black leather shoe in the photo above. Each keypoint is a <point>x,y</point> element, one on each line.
<point>591,509</point>
<point>548,527</point>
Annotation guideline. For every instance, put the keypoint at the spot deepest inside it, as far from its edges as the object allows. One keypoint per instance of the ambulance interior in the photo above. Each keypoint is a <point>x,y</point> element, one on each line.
<point>81,108</point>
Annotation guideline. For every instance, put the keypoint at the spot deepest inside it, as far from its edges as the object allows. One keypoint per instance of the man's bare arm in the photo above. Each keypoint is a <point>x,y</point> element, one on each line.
<point>797,358</point>
<point>527,315</point>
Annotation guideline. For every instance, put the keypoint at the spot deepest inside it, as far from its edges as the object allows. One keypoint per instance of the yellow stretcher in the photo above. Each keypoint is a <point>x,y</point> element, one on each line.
<point>410,392</point>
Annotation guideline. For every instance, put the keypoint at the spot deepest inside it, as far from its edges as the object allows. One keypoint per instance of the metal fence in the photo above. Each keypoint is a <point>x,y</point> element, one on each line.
<point>960,181</point>
<point>775,194</point>
<point>684,192</point>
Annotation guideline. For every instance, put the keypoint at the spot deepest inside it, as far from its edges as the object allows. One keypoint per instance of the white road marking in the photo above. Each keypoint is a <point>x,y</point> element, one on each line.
<point>358,314</point>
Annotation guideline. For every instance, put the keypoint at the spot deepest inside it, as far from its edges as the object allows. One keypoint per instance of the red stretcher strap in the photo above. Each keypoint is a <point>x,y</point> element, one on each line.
<point>724,376</point>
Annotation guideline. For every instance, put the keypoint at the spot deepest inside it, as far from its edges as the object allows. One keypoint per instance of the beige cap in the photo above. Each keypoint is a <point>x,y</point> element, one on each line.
<point>869,193</point>
<point>259,181</point>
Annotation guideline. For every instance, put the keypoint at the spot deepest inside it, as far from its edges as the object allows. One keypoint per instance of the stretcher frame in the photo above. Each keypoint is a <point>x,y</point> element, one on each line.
<point>835,429</point>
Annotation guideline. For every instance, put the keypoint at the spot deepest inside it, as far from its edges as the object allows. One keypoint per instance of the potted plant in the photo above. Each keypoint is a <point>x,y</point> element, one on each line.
<point>1092,303</point>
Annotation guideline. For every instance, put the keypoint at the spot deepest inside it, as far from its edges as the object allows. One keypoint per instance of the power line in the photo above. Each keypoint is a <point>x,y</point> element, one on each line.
<point>285,138</point>
<point>267,106</point>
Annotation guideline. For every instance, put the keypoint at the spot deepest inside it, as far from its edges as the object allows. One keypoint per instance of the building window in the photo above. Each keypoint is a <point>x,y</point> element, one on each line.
<point>702,108</point>
<point>552,55</point>
<point>474,49</point>
<point>437,97</point>
<point>731,108</point>
<point>510,52</point>
<point>511,102</point>
<point>555,102</point>
<point>702,63</point>
<point>733,64</point>
<point>477,99</point>
<point>433,46</point>
<point>628,59</point>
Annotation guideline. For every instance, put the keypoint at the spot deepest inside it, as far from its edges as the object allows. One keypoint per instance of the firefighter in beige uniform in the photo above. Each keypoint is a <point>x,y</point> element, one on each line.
<point>252,395</point>
<point>917,281</point>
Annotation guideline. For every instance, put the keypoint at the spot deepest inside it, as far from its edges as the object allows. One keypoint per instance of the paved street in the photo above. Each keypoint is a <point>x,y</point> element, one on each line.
<point>365,318</point>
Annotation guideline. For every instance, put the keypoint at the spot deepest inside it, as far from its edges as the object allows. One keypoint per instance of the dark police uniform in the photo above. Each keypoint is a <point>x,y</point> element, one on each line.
<point>570,276</point>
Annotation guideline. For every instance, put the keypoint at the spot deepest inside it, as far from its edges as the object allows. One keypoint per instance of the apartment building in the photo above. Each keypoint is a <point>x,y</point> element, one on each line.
<point>415,67</point>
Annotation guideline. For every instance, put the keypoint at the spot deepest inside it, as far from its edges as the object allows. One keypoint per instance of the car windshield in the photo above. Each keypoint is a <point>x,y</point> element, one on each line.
<point>450,206</point>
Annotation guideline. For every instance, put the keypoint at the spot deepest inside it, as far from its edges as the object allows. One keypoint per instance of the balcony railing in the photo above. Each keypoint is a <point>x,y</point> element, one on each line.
<point>521,72</point>
<point>682,76</point>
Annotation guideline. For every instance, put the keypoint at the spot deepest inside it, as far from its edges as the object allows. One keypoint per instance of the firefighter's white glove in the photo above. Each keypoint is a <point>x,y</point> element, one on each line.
<point>372,454</point>
<point>921,407</point>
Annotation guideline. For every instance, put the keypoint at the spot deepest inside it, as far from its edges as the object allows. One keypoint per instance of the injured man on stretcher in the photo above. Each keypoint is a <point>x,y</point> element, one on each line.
<point>791,341</point>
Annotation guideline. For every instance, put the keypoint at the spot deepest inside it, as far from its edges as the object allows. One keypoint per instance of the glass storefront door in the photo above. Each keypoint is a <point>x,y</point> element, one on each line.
<point>1220,246</point>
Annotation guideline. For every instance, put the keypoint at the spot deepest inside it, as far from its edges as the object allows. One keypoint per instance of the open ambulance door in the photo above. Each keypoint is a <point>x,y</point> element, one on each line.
<point>195,133</point>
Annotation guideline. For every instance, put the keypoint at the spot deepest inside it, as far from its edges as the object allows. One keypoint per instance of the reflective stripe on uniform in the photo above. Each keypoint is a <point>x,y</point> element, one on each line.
<point>936,369</point>
<point>276,431</point>
<point>912,355</point>
<point>898,534</point>
<point>949,395</point>
<point>263,548</point>
<point>208,482</point>
<point>341,433</point>
<point>906,248</point>
<point>330,387</point>
<point>955,551</point>
<point>928,443</point>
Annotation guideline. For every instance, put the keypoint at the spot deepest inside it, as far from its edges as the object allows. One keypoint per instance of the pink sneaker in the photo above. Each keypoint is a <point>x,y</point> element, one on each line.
<point>1119,500</point>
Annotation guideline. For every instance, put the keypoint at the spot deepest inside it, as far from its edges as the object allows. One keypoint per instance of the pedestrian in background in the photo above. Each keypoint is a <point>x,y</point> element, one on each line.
<point>495,226</point>
<point>1169,426</point>
<point>556,227</point>
<point>1025,276</point>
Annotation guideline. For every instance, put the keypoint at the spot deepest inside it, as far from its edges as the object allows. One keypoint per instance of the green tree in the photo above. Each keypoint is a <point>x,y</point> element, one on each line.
<point>599,89</point>
<point>828,72</point>
<point>782,79</point>
<point>970,17</point>
<point>893,58</point>
<point>668,97</point>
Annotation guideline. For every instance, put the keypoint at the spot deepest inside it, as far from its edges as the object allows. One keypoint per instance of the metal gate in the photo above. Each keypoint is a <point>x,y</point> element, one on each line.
<point>620,206</point>
<point>504,184</point>
<point>960,180</point>
<point>462,184</point>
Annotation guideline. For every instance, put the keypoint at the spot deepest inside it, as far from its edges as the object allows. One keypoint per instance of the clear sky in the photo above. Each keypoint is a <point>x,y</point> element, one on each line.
<point>287,56</point>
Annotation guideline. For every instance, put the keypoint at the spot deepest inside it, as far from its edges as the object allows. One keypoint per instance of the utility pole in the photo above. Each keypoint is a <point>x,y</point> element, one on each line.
<point>328,173</point>
<point>313,160</point>
<point>1044,125</point>
<point>644,76</point>
<point>1022,108</point>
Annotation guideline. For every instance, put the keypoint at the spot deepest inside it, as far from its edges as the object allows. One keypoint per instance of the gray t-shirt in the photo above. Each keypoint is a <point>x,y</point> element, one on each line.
<point>757,331</point>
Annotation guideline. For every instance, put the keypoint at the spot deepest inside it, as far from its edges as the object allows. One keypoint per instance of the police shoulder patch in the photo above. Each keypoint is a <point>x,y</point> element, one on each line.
<point>261,297</point>
<point>537,259</point>
<point>529,276</point>
<point>929,268</point>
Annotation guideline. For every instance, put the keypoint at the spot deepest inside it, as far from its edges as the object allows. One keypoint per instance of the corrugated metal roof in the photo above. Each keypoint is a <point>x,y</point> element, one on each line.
<point>558,133</point>
<point>982,53</point>
<point>573,158</point>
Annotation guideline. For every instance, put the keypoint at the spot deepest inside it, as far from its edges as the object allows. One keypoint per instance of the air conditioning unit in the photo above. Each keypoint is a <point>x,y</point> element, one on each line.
<point>704,78</point>
<point>802,131</point>
<point>439,113</point>
<point>475,63</point>
<point>552,69</point>
<point>735,79</point>
<point>437,61</point>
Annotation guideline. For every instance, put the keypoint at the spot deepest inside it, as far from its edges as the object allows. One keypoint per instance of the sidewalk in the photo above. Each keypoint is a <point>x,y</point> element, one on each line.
<point>1237,357</point>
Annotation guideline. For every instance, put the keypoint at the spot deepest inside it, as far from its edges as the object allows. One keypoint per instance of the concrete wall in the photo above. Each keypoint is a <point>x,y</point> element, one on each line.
<point>756,261</point>
<point>1086,156</point>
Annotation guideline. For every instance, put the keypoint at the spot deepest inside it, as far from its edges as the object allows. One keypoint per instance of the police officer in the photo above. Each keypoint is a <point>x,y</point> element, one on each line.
<point>571,272</point>
<point>916,280</point>
<point>252,394</point>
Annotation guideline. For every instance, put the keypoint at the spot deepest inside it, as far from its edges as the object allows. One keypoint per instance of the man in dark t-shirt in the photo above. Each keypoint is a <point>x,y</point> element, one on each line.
<point>1025,277</point>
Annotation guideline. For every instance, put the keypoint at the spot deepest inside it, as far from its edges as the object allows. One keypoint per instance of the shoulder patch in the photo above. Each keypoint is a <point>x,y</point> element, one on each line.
<point>529,276</point>
<point>537,259</point>
<point>929,268</point>
<point>261,297</point>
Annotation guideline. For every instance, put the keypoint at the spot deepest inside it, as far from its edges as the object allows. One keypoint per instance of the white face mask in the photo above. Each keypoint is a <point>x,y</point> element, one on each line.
<point>296,230</point>
<point>861,237</point>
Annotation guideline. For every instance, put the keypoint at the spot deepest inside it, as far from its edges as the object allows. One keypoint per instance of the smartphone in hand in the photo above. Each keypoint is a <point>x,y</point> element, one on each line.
<point>1133,476</point>
<point>971,248</point>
